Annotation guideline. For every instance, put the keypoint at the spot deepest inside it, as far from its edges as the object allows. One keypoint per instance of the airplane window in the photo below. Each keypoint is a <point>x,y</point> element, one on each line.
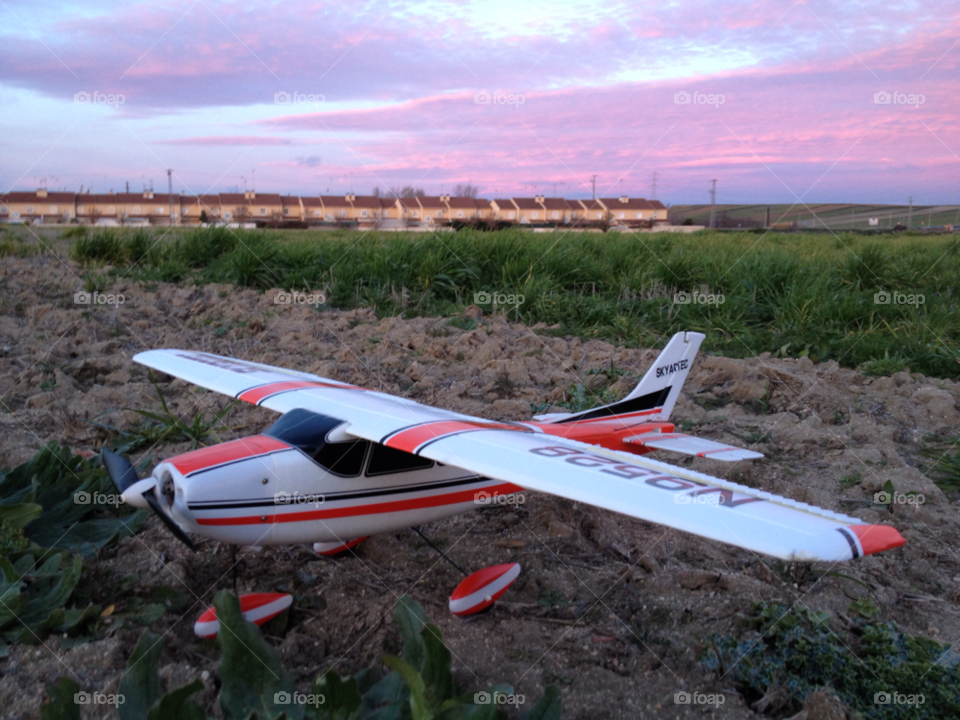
<point>344,459</point>
<point>385,459</point>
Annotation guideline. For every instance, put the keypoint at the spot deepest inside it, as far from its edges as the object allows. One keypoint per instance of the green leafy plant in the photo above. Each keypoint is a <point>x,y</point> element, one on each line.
<point>255,686</point>
<point>850,480</point>
<point>579,398</point>
<point>786,653</point>
<point>78,231</point>
<point>946,465</point>
<point>887,365</point>
<point>55,509</point>
<point>59,500</point>
<point>164,426</point>
<point>32,599</point>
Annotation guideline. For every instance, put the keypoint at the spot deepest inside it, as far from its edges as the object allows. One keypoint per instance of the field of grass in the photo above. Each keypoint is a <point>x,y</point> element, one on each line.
<point>814,216</point>
<point>811,295</point>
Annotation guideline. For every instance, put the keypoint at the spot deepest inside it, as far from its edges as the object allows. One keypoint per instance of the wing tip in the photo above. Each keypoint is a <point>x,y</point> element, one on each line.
<point>876,538</point>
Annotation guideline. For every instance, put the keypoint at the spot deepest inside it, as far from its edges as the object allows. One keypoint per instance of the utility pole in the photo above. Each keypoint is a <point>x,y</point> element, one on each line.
<point>713,203</point>
<point>170,194</point>
<point>593,181</point>
<point>128,187</point>
<point>910,214</point>
<point>653,186</point>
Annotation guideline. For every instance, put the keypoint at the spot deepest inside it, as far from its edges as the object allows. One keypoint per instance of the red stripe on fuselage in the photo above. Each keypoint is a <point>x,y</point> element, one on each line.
<point>371,509</point>
<point>410,439</point>
<point>258,394</point>
<point>226,452</point>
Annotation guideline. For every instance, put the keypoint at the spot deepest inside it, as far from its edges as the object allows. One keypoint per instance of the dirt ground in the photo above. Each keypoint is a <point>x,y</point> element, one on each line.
<point>613,610</point>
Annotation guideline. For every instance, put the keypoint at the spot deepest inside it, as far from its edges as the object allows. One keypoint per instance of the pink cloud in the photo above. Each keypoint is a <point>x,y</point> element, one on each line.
<point>227,140</point>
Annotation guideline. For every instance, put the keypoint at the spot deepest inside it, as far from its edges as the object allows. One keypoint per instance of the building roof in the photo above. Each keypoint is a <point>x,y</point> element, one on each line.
<point>209,200</point>
<point>336,201</point>
<point>233,199</point>
<point>527,204</point>
<point>482,204</point>
<point>432,202</point>
<point>387,203</point>
<point>96,198</point>
<point>504,203</point>
<point>592,204</point>
<point>410,202</point>
<point>630,204</point>
<point>311,201</point>
<point>290,200</point>
<point>366,201</point>
<point>462,203</point>
<point>266,199</point>
<point>555,204</point>
<point>31,196</point>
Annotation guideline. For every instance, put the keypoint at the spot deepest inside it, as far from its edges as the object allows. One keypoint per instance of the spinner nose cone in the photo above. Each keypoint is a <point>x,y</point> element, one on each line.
<point>134,495</point>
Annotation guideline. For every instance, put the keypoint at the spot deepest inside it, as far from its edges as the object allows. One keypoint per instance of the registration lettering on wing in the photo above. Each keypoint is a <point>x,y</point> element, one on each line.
<point>690,492</point>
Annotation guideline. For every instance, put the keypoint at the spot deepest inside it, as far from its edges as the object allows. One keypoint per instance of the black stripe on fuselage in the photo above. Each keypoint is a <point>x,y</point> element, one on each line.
<point>650,401</point>
<point>328,497</point>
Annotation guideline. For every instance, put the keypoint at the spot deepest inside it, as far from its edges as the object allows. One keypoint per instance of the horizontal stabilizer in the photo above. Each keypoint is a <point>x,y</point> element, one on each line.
<point>690,445</point>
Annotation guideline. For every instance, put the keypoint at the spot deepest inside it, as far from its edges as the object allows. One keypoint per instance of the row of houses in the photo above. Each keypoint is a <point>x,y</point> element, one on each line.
<point>271,208</point>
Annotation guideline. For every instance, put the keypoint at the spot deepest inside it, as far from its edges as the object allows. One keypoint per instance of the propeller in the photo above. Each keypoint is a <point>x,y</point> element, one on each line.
<point>124,476</point>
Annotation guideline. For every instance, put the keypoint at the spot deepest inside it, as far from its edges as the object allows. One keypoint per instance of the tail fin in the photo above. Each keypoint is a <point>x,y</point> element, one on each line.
<point>657,392</point>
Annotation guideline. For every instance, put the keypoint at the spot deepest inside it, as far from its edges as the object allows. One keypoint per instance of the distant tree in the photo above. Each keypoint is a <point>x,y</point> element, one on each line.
<point>376,191</point>
<point>122,217</point>
<point>407,191</point>
<point>203,216</point>
<point>241,213</point>
<point>466,190</point>
<point>94,215</point>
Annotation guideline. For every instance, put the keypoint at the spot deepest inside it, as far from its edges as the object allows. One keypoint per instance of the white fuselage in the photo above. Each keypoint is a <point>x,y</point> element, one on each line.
<point>262,491</point>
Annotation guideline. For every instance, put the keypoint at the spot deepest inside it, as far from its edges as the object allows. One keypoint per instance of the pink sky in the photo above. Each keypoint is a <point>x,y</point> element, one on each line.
<point>783,98</point>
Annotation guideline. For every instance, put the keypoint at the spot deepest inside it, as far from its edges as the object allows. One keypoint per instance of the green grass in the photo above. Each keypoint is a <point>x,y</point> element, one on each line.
<point>795,296</point>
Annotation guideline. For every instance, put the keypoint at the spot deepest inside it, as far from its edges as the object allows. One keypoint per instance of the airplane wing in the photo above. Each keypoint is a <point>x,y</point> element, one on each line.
<point>526,456</point>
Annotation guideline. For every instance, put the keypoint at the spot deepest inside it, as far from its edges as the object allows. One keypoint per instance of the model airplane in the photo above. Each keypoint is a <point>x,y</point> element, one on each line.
<point>343,462</point>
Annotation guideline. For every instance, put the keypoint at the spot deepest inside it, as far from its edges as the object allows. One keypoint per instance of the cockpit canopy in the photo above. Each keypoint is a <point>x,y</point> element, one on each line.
<point>308,431</point>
